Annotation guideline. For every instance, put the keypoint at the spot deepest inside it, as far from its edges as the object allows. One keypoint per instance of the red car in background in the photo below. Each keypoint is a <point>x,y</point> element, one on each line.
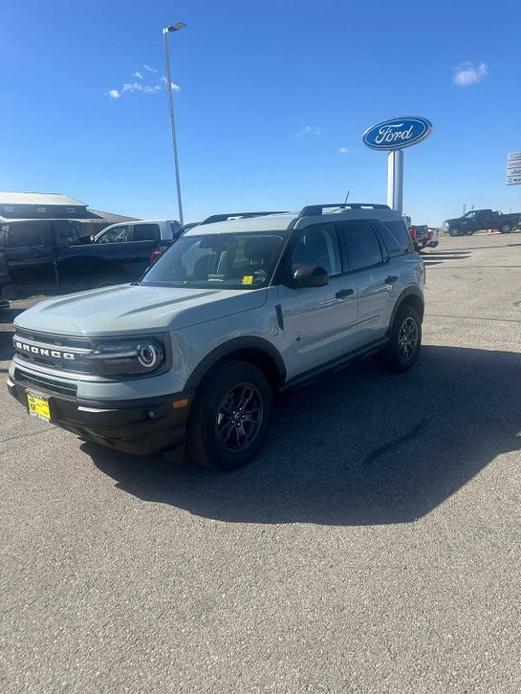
<point>422,236</point>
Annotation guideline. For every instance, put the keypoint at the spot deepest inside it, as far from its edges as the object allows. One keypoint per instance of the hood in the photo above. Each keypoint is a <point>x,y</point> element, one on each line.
<point>135,309</point>
<point>451,221</point>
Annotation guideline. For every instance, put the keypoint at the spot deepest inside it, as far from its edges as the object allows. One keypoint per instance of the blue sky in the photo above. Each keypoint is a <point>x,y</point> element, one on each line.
<point>271,90</point>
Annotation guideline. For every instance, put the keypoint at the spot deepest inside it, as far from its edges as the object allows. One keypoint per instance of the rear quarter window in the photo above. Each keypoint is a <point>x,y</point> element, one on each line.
<point>396,237</point>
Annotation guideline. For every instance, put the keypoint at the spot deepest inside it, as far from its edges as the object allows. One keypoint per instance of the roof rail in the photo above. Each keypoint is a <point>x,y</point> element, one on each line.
<point>317,210</point>
<point>240,215</point>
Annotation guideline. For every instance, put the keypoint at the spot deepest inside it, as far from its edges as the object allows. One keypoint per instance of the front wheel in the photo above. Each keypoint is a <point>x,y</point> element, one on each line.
<point>231,416</point>
<point>454,231</point>
<point>405,336</point>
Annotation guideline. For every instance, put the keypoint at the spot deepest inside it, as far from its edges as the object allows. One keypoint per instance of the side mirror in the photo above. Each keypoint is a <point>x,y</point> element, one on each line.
<point>309,276</point>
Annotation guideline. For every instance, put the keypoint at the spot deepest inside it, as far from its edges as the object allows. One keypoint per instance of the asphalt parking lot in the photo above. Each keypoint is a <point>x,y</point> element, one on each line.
<point>373,547</point>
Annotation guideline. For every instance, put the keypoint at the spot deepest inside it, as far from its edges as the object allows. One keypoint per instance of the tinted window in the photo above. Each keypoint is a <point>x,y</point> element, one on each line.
<point>27,234</point>
<point>396,237</point>
<point>176,229</point>
<point>69,232</point>
<point>318,245</point>
<point>116,235</point>
<point>146,232</point>
<point>224,261</point>
<point>363,247</point>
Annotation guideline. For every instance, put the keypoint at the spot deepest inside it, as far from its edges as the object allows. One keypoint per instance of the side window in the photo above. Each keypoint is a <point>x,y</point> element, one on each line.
<point>176,229</point>
<point>146,232</point>
<point>30,234</point>
<point>318,245</point>
<point>396,237</point>
<point>363,246</point>
<point>69,232</point>
<point>115,235</point>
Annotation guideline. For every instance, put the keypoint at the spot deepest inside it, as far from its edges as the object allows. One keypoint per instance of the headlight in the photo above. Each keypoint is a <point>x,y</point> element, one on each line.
<point>128,357</point>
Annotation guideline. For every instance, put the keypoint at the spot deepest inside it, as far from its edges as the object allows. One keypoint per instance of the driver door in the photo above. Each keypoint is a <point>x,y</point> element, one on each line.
<point>319,322</point>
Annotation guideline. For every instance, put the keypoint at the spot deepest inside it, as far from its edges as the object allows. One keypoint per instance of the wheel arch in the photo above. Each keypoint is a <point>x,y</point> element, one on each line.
<point>255,350</point>
<point>412,296</point>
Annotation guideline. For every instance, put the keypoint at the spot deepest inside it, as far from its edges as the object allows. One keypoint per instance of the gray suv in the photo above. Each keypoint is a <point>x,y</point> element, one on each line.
<point>234,312</point>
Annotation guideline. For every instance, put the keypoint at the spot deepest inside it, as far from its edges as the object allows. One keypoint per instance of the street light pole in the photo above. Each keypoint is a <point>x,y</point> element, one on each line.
<point>166,31</point>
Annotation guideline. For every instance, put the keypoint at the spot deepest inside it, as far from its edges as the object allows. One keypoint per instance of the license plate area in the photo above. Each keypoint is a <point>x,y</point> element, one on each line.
<point>38,406</point>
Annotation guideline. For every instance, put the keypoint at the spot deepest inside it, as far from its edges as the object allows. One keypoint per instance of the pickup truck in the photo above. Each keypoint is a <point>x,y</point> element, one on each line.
<point>4,270</point>
<point>59,251</point>
<point>478,220</point>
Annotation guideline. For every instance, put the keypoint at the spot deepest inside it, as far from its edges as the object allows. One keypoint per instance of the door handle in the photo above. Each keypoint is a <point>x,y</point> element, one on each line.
<point>344,293</point>
<point>391,279</point>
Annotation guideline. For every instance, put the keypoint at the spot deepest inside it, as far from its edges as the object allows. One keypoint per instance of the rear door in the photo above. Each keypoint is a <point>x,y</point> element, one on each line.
<point>371,273</point>
<point>30,250</point>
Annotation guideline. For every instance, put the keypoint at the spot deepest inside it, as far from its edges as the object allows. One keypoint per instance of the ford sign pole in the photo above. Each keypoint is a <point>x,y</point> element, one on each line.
<point>395,180</point>
<point>392,136</point>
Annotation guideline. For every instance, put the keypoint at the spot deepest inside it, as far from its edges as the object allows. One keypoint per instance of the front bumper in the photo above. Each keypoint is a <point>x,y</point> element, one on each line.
<point>141,427</point>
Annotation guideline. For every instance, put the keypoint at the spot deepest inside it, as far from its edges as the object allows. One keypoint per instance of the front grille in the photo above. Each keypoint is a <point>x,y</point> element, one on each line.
<point>46,383</point>
<point>52,351</point>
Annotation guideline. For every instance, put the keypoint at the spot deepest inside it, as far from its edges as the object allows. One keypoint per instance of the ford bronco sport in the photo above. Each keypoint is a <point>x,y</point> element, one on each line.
<point>229,315</point>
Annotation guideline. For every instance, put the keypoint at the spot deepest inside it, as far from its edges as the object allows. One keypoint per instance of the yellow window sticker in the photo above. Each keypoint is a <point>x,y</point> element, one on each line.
<point>247,279</point>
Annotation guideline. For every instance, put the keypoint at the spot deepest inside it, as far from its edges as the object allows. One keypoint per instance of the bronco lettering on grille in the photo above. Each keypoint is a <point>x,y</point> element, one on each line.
<point>43,351</point>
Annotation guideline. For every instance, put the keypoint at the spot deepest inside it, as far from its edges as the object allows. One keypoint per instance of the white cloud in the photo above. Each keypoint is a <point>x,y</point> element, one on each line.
<point>175,87</point>
<point>140,87</point>
<point>310,130</point>
<point>148,68</point>
<point>467,74</point>
<point>343,150</point>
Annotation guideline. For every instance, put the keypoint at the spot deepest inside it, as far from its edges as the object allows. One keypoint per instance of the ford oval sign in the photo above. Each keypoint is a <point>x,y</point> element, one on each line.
<point>397,133</point>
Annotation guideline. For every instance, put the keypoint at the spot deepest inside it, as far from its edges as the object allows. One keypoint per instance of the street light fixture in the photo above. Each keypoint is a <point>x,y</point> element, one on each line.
<point>166,30</point>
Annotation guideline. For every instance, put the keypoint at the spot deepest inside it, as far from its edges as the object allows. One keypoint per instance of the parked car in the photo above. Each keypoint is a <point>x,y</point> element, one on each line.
<point>62,250</point>
<point>478,220</point>
<point>232,313</point>
<point>4,268</point>
<point>423,236</point>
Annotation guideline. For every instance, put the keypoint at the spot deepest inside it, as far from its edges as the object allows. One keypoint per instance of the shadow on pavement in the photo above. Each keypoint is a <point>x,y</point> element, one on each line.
<point>438,257</point>
<point>360,447</point>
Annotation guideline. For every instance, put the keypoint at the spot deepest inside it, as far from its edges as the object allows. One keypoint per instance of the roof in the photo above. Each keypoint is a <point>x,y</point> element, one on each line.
<point>14,198</point>
<point>272,222</point>
<point>308,215</point>
<point>111,217</point>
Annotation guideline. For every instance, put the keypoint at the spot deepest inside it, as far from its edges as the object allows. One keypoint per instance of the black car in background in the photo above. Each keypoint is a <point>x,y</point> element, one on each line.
<point>63,252</point>
<point>4,268</point>
<point>479,220</point>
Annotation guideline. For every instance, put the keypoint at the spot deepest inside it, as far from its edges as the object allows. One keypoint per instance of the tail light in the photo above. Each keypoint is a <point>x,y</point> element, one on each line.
<point>156,253</point>
<point>412,233</point>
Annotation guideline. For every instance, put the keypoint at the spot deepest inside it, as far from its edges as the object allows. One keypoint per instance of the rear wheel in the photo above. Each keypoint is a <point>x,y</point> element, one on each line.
<point>231,416</point>
<point>505,228</point>
<point>405,336</point>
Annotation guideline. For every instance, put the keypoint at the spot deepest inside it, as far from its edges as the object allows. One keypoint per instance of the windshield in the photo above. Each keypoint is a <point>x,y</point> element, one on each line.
<point>224,261</point>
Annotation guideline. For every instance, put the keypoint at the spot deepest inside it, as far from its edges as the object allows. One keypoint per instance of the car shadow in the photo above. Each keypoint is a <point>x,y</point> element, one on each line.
<point>438,257</point>
<point>358,447</point>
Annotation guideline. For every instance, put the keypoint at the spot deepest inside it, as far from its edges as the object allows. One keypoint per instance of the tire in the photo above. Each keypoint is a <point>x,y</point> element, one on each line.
<point>454,231</point>
<point>505,228</point>
<point>217,437</point>
<point>395,356</point>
